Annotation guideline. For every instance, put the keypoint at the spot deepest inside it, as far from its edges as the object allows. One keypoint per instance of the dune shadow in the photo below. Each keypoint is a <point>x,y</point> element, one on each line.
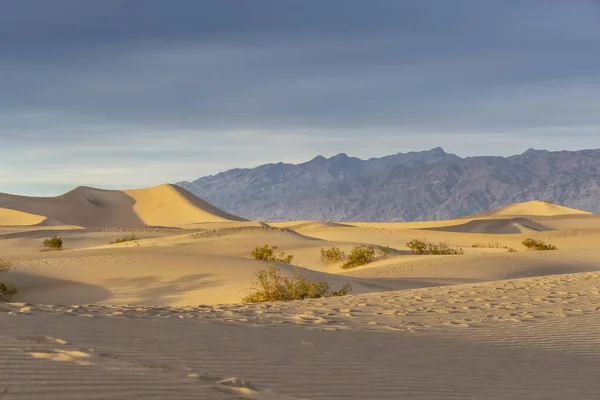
<point>391,284</point>
<point>396,252</point>
<point>553,268</point>
<point>41,233</point>
<point>151,290</point>
<point>493,226</point>
<point>37,289</point>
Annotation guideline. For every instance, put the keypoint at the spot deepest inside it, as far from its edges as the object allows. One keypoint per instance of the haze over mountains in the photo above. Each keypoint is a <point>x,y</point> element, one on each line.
<point>415,186</point>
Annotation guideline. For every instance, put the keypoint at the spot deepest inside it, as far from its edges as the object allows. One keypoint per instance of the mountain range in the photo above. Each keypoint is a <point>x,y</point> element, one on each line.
<point>415,186</point>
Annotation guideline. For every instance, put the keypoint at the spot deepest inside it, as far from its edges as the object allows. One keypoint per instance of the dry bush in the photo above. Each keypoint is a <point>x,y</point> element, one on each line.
<point>7,291</point>
<point>5,266</point>
<point>270,285</point>
<point>359,255</point>
<point>332,255</point>
<point>444,249</point>
<point>490,245</point>
<point>267,253</point>
<point>533,244</point>
<point>384,251</point>
<point>124,239</point>
<point>421,247</point>
<point>54,243</point>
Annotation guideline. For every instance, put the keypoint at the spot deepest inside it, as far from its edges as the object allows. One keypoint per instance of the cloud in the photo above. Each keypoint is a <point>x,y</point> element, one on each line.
<point>165,92</point>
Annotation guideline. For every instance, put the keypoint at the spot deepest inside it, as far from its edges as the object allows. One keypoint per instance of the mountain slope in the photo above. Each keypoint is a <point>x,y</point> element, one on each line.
<point>415,186</point>
<point>164,205</point>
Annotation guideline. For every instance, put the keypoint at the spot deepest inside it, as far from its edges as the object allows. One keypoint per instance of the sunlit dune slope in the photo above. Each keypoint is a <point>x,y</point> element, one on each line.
<point>514,218</point>
<point>170,205</point>
<point>164,205</point>
<point>82,206</point>
<point>13,217</point>
<point>532,208</point>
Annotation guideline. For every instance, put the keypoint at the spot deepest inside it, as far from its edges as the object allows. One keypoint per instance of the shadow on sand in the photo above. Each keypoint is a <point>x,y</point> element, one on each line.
<point>151,290</point>
<point>37,289</point>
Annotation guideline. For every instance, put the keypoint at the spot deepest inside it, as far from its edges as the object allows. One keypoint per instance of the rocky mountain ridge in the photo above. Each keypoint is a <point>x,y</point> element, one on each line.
<point>415,186</point>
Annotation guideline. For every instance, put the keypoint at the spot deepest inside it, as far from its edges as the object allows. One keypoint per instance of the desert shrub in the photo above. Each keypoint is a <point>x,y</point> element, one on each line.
<point>417,246</point>
<point>270,285</point>
<point>54,243</point>
<point>420,247</point>
<point>332,255</point>
<point>359,255</point>
<point>443,249</point>
<point>346,289</point>
<point>7,291</point>
<point>511,250</point>
<point>533,244</point>
<point>267,253</point>
<point>490,245</point>
<point>4,266</point>
<point>124,239</point>
<point>384,251</point>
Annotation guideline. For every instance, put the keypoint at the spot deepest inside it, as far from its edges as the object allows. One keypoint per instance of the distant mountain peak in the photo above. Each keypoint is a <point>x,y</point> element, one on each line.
<point>437,150</point>
<point>318,159</point>
<point>413,186</point>
<point>532,151</point>
<point>340,156</point>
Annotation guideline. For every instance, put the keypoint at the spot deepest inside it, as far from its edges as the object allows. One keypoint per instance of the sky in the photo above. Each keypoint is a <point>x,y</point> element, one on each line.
<point>134,93</point>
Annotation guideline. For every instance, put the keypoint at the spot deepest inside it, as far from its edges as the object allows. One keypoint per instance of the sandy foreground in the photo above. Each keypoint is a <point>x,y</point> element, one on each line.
<point>160,317</point>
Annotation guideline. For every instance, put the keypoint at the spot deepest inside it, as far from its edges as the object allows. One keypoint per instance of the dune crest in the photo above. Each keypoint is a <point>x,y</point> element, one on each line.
<point>163,205</point>
<point>534,208</point>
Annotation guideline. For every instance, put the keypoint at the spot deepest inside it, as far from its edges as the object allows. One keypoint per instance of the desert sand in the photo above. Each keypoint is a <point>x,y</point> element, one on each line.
<point>160,316</point>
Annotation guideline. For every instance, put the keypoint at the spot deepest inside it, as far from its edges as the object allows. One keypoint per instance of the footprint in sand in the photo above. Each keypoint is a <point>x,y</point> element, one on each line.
<point>241,389</point>
<point>43,339</point>
<point>75,357</point>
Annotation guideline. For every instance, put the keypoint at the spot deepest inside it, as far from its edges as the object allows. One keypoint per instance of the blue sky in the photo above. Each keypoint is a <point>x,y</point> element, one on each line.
<point>123,94</point>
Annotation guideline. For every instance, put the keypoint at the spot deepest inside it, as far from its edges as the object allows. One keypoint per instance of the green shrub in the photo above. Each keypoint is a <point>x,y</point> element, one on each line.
<point>7,291</point>
<point>332,255</point>
<point>54,243</point>
<point>267,253</point>
<point>384,251</point>
<point>420,247</point>
<point>533,244</point>
<point>270,285</point>
<point>124,239</point>
<point>359,255</point>
<point>417,246</point>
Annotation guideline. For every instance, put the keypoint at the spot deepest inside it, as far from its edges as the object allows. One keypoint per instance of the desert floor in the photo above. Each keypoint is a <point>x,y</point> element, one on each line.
<point>160,317</point>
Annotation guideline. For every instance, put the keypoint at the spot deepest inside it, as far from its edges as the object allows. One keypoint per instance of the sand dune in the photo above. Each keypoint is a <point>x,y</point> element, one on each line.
<point>159,316</point>
<point>164,205</point>
<point>535,211</point>
<point>170,205</point>
<point>568,222</point>
<point>495,226</point>
<point>521,339</point>
<point>535,207</point>
<point>13,217</point>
